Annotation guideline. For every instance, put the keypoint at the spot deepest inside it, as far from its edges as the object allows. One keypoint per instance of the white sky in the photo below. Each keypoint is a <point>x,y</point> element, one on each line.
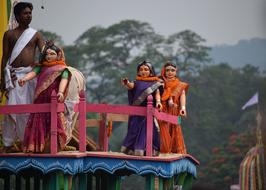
<point>218,21</point>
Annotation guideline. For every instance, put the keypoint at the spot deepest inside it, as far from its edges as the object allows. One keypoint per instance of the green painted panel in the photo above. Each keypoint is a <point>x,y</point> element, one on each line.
<point>114,182</point>
<point>188,182</point>
<point>8,8</point>
<point>66,181</point>
<point>82,181</point>
<point>150,182</point>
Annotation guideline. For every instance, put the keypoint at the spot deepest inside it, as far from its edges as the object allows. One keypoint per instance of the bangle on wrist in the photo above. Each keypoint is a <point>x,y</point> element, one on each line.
<point>183,107</point>
<point>158,101</point>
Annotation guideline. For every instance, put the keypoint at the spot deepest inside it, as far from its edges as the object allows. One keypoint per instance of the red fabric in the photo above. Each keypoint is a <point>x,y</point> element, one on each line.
<point>37,132</point>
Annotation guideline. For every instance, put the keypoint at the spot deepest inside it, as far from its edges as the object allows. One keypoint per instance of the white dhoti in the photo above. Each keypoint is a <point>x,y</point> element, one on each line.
<point>14,124</point>
<point>76,84</point>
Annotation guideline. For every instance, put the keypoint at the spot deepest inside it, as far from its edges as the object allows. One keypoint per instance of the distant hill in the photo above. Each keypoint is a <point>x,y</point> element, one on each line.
<point>251,52</point>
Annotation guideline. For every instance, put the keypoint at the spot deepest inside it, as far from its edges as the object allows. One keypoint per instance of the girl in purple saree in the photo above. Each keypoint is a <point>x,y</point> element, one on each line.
<point>146,84</point>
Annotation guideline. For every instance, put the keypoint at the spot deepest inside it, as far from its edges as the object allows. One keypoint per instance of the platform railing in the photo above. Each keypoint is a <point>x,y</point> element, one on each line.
<point>148,112</point>
<point>53,107</point>
<point>83,108</point>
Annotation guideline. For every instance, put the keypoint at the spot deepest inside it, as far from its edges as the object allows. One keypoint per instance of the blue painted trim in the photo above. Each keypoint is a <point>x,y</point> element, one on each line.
<point>74,166</point>
<point>140,167</point>
<point>70,166</point>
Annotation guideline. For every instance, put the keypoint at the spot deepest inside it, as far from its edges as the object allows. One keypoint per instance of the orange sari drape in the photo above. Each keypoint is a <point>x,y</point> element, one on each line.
<point>171,137</point>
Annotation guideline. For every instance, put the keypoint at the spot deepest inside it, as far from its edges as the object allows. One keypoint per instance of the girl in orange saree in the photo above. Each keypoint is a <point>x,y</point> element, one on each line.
<point>174,103</point>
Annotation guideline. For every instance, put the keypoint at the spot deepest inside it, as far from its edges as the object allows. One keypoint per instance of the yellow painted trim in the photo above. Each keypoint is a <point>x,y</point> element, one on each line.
<point>3,22</point>
<point>3,28</point>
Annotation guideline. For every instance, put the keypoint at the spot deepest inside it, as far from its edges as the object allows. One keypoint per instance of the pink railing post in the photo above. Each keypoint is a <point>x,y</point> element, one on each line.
<point>149,126</point>
<point>53,108</point>
<point>82,122</point>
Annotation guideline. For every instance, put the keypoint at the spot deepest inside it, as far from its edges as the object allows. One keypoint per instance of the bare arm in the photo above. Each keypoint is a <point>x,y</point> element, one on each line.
<point>40,41</point>
<point>26,78</point>
<point>4,59</point>
<point>126,83</point>
<point>158,99</point>
<point>183,104</point>
<point>62,88</point>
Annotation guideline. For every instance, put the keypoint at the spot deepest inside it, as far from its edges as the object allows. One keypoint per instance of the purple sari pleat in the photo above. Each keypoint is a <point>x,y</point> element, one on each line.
<point>137,130</point>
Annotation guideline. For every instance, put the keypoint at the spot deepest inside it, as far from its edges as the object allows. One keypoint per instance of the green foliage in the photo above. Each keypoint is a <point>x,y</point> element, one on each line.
<point>52,36</point>
<point>223,167</point>
<point>73,56</point>
<point>214,105</point>
<point>106,53</point>
<point>189,51</point>
<point>119,130</point>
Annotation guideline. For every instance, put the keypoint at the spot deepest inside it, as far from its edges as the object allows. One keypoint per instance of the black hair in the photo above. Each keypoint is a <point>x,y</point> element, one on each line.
<point>148,64</point>
<point>169,63</point>
<point>48,45</point>
<point>19,7</point>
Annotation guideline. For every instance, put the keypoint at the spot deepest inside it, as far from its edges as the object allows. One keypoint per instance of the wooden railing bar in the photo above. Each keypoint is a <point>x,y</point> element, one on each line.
<point>29,108</point>
<point>116,109</point>
<point>119,113</point>
<point>166,117</point>
<point>117,117</point>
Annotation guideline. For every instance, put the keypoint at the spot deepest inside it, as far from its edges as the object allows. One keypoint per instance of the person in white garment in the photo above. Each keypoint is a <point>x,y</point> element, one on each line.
<point>19,48</point>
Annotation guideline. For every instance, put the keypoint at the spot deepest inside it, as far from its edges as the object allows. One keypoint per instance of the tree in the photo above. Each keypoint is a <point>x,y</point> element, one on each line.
<point>52,36</point>
<point>223,167</point>
<point>107,53</point>
<point>215,99</point>
<point>73,56</point>
<point>187,49</point>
